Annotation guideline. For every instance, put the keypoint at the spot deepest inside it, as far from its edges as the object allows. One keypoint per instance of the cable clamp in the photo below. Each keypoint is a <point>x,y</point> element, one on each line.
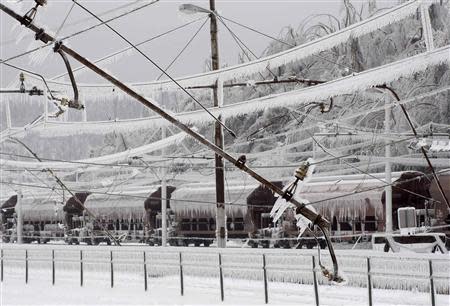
<point>57,46</point>
<point>240,162</point>
<point>40,35</point>
<point>287,195</point>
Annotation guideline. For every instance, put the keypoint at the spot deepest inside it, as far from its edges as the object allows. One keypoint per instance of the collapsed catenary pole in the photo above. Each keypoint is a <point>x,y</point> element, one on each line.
<point>317,219</point>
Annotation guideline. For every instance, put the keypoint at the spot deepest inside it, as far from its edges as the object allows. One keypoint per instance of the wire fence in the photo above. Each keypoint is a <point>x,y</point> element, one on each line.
<point>144,266</point>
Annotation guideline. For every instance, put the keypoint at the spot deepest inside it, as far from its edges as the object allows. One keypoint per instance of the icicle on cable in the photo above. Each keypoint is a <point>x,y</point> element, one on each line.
<point>285,57</point>
<point>303,174</point>
<point>345,85</point>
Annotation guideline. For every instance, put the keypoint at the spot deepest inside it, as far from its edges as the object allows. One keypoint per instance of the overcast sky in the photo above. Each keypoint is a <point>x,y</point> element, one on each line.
<point>267,16</point>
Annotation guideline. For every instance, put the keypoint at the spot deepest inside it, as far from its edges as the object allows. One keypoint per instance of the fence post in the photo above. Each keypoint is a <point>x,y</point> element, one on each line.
<point>145,271</point>
<point>181,276</point>
<point>26,266</point>
<point>433,302</point>
<point>369,281</point>
<point>112,269</point>
<point>316,289</point>
<point>1,265</point>
<point>53,267</point>
<point>81,268</point>
<point>266,293</point>
<point>221,277</point>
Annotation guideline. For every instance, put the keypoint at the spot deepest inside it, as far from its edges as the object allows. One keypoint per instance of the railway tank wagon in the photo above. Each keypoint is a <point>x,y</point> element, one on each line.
<point>7,211</point>
<point>442,211</point>
<point>122,214</point>
<point>194,211</point>
<point>42,218</point>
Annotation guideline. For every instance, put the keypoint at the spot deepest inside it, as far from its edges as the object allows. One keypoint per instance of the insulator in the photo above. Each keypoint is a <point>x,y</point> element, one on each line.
<point>21,77</point>
<point>301,171</point>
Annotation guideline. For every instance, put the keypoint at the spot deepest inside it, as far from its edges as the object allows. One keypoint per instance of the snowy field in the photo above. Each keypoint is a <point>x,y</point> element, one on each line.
<point>205,291</point>
<point>396,279</point>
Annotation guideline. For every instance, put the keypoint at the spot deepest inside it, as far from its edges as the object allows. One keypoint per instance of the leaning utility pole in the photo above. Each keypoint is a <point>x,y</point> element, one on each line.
<point>240,163</point>
<point>221,218</point>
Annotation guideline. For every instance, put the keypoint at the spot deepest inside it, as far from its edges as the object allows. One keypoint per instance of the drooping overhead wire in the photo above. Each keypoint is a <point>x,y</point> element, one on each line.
<point>183,49</point>
<point>159,67</point>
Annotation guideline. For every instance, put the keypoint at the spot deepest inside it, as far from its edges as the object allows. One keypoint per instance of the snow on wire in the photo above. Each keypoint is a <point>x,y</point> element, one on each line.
<point>345,85</point>
<point>273,61</point>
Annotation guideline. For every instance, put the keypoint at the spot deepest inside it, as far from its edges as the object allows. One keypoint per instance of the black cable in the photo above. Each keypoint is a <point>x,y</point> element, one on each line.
<point>184,48</point>
<point>162,70</point>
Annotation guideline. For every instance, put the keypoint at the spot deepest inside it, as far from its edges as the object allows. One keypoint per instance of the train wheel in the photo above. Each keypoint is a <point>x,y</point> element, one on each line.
<point>197,244</point>
<point>108,242</point>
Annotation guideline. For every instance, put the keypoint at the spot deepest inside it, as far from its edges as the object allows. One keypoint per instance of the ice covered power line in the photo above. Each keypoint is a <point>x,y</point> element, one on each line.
<point>345,85</point>
<point>283,42</point>
<point>82,31</point>
<point>135,193</point>
<point>422,149</point>
<point>121,51</point>
<point>297,53</point>
<point>100,161</point>
<point>184,48</point>
<point>363,171</point>
<point>161,69</point>
<point>64,187</point>
<point>321,222</point>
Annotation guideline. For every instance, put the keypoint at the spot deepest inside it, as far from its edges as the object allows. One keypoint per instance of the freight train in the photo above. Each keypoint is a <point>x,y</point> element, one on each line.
<point>354,204</point>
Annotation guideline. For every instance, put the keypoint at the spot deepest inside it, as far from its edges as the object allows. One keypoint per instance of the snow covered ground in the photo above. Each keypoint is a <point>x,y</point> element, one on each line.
<point>206,291</point>
<point>289,277</point>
